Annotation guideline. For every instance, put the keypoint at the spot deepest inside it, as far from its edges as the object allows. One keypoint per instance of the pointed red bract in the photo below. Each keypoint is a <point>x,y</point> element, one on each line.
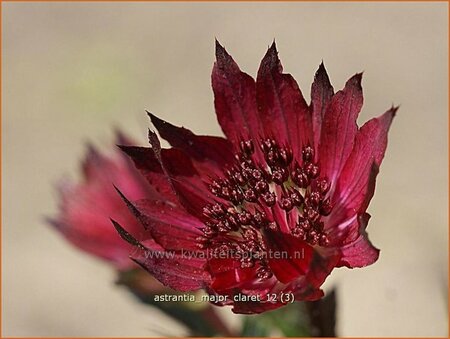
<point>146,162</point>
<point>321,94</point>
<point>339,127</point>
<point>282,108</point>
<point>234,99</point>
<point>169,225</point>
<point>173,270</point>
<point>356,183</point>
<point>360,252</point>
<point>173,174</point>
<point>208,153</point>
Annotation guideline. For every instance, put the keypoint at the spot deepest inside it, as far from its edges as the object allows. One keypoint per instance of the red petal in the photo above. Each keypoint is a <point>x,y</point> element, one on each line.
<point>146,162</point>
<point>172,174</point>
<point>178,164</point>
<point>169,214</point>
<point>234,99</point>
<point>191,191</point>
<point>176,270</point>
<point>339,128</point>
<point>173,270</point>
<point>210,154</point>
<point>321,94</point>
<point>170,226</point>
<point>282,108</point>
<point>342,233</point>
<point>289,257</point>
<point>321,266</point>
<point>307,287</point>
<point>356,184</point>
<point>230,279</point>
<point>360,252</point>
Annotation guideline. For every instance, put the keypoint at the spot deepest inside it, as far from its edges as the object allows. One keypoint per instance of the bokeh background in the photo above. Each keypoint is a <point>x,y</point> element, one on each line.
<point>73,71</point>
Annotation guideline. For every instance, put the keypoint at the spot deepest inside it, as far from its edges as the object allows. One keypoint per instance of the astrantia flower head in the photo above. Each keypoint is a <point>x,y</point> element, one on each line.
<point>262,216</point>
<point>86,207</point>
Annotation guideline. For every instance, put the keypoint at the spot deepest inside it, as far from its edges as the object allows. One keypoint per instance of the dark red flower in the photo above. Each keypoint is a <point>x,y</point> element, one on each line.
<point>265,214</point>
<point>86,208</point>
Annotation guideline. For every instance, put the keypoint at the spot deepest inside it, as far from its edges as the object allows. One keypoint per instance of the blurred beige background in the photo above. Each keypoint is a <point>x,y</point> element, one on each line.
<point>72,71</point>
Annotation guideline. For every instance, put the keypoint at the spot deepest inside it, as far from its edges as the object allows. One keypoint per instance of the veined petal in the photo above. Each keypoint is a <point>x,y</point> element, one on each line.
<point>321,94</point>
<point>342,233</point>
<point>356,184</point>
<point>209,154</point>
<point>282,108</point>
<point>173,216</point>
<point>184,179</point>
<point>174,270</point>
<point>307,287</point>
<point>321,266</point>
<point>169,225</point>
<point>339,128</point>
<point>146,162</point>
<point>172,173</point>
<point>360,252</point>
<point>234,99</point>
